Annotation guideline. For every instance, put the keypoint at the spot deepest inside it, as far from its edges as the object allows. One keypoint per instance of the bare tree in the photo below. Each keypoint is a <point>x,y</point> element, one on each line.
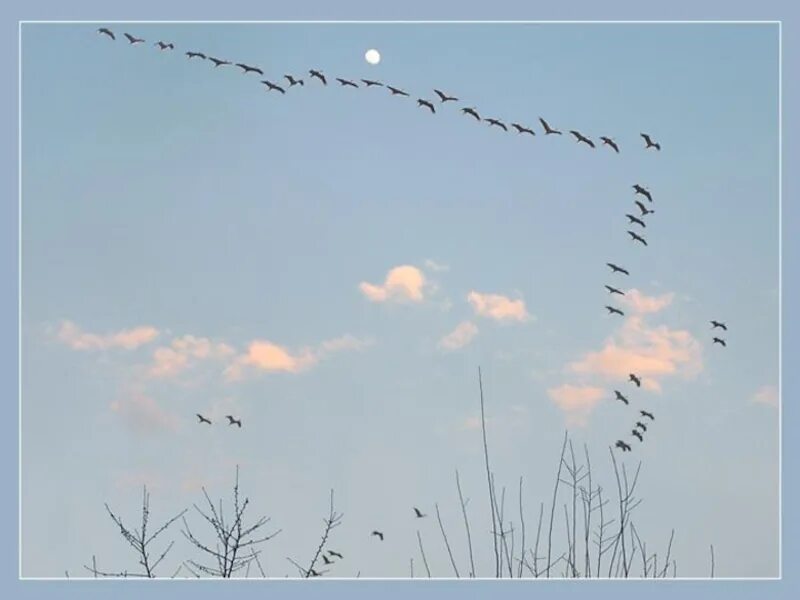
<point>332,521</point>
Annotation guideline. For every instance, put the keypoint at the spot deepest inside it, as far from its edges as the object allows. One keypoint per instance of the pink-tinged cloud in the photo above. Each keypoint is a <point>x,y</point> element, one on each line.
<point>461,336</point>
<point>640,303</point>
<point>577,401</point>
<point>402,284</point>
<point>343,343</point>
<point>183,352</point>
<point>650,352</point>
<point>767,395</point>
<point>143,414</point>
<point>498,307</point>
<point>128,339</point>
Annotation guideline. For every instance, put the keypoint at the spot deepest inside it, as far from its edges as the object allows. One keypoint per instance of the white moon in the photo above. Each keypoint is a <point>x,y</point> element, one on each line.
<point>372,56</point>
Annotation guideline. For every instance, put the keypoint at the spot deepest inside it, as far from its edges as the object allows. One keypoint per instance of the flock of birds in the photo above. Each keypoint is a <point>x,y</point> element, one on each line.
<point>231,420</point>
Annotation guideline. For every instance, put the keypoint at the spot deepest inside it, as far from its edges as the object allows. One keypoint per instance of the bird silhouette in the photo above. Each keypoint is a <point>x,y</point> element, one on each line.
<point>715,324</point>
<point>581,138</point>
<point>719,341</point>
<point>496,123</point>
<point>232,421</point>
<point>396,91</point>
<point>218,62</point>
<point>377,534</point>
<point>444,97</point>
<point>165,45</point>
<point>272,86</point>
<point>292,81</point>
<point>637,238</point>
<point>108,32</point>
<point>196,55</point>
<point>620,396</point>
<point>638,434</point>
<point>650,416</point>
<point>313,573</point>
<point>607,141</point>
<point>371,82</point>
<point>418,512</point>
<point>613,290</point>
<point>326,560</point>
<point>248,69</point>
<point>635,379</point>
<point>650,143</point>
<point>202,419</point>
<point>426,104</point>
<point>318,75</point>
<point>547,129</point>
<point>643,208</point>
<point>133,40</point>
<point>632,219</point>
<point>346,82</point>
<point>611,310</point>
<point>617,269</point>
<point>641,425</point>
<point>643,191</point>
<point>472,112</point>
<point>625,447</point>
<point>521,129</point>
<point>336,554</point>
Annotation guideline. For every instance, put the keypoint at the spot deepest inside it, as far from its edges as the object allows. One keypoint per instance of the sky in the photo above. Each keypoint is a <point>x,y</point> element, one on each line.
<point>333,265</point>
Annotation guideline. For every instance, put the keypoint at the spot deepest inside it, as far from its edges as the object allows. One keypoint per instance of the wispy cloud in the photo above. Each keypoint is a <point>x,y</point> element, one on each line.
<point>461,336</point>
<point>436,267</point>
<point>128,339</point>
<point>404,283</point>
<point>498,307</point>
<point>640,303</point>
<point>577,401</point>
<point>143,414</point>
<point>767,394</point>
<point>183,352</point>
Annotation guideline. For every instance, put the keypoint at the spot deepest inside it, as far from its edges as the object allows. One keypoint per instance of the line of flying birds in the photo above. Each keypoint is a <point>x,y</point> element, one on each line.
<point>394,91</point>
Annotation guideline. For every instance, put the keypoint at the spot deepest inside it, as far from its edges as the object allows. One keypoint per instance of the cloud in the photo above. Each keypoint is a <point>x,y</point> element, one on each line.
<point>768,395</point>
<point>402,284</point>
<point>461,336</point>
<point>432,265</point>
<point>577,401</point>
<point>651,352</point>
<point>143,414</point>
<point>183,352</point>
<point>128,339</point>
<point>640,303</point>
<point>345,342</point>
<point>497,307</point>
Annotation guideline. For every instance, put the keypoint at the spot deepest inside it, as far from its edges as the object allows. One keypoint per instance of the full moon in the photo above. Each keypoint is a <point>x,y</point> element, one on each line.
<point>372,56</point>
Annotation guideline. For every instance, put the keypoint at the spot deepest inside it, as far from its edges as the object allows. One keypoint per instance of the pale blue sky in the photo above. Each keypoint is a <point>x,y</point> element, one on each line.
<point>162,192</point>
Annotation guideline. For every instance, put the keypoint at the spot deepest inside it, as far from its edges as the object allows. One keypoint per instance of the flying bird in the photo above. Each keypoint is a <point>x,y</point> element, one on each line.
<point>613,290</point>
<point>108,32</point>
<point>496,123</point>
<point>444,97</point>
<point>638,434</point>
<point>607,141</point>
<point>521,129</point>
<point>633,219</point>
<point>650,416</point>
<point>643,191</point>
<point>620,396</point>
<point>218,62</point>
<point>547,129</point>
<point>202,419</point>
<point>378,534</point>
<point>313,573</point>
<point>622,445</point>
<point>635,379</point>
<point>271,86</point>
<point>318,75</point>
<point>637,238</point>
<point>133,40</point>
<point>425,103</point>
<point>232,421</point>
<point>650,143</point>
<point>292,81</point>
<point>336,554</point>
<point>617,269</point>
<point>396,91</point>
<point>418,512</point>
<point>643,208</point>
<point>196,55</point>
<point>581,138</point>
<point>611,310</point>
<point>472,112</point>
<point>370,82</point>
<point>165,45</point>
<point>641,425</point>
<point>346,82</point>
<point>327,560</point>
<point>248,69</point>
<point>715,324</point>
<point>719,341</point>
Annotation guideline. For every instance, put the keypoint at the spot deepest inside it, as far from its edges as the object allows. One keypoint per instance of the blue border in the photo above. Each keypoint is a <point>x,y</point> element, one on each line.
<point>12,11</point>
